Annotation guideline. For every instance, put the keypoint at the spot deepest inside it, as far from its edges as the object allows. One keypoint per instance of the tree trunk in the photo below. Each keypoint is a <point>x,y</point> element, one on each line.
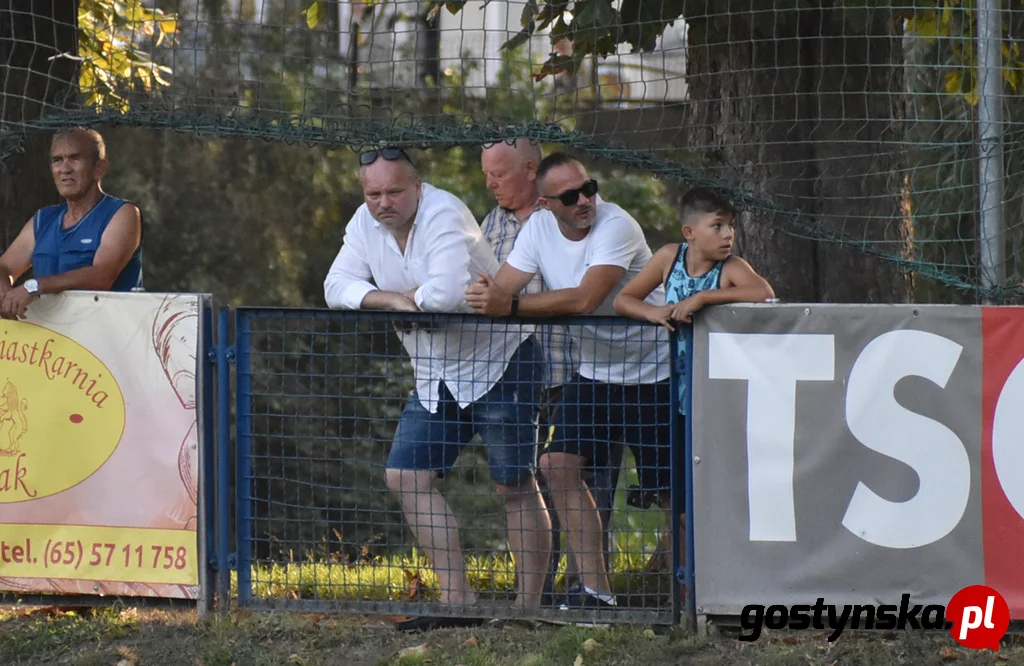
<point>31,84</point>
<point>858,144</point>
<point>793,108</point>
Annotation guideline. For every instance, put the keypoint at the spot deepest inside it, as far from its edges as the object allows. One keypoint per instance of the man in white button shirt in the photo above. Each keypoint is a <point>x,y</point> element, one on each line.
<point>587,249</point>
<point>421,247</point>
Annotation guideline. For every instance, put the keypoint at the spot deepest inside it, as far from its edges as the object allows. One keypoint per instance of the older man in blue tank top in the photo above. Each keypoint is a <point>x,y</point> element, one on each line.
<point>92,241</point>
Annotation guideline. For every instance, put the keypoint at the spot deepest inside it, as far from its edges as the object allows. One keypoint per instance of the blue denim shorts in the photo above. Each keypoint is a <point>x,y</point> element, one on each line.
<point>504,418</point>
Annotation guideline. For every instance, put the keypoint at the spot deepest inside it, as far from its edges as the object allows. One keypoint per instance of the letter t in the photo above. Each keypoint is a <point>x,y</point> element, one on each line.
<point>771,365</point>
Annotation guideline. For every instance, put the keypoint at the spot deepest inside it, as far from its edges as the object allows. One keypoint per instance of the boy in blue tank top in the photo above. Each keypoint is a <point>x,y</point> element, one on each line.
<point>92,241</point>
<point>699,271</point>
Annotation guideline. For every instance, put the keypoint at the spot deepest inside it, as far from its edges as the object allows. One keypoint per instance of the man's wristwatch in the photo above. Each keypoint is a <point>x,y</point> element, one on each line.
<point>515,306</point>
<point>32,287</point>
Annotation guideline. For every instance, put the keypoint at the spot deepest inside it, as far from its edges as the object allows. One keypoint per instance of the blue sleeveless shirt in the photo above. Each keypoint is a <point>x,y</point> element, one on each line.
<point>61,250</point>
<point>679,286</point>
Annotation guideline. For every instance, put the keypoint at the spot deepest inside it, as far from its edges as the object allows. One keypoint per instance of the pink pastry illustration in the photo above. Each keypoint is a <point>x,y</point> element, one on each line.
<point>174,340</point>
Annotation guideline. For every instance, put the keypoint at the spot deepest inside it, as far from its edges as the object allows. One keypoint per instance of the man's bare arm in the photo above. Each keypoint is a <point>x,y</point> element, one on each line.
<point>597,283</point>
<point>18,257</point>
<point>388,300</point>
<point>494,296</point>
<point>119,242</point>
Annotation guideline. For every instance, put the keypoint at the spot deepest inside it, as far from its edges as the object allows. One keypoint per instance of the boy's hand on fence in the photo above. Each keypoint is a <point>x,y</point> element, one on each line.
<point>684,310</point>
<point>662,315</point>
<point>485,297</point>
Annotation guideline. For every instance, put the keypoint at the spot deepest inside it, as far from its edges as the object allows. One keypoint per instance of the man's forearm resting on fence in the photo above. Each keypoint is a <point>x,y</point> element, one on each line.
<point>90,278</point>
<point>494,296</point>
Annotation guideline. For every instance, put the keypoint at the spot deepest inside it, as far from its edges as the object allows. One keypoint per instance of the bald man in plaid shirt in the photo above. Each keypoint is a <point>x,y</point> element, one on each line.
<point>510,169</point>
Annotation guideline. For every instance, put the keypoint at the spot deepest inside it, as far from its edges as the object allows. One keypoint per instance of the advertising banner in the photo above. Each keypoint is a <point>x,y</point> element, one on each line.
<point>99,445</point>
<point>857,453</point>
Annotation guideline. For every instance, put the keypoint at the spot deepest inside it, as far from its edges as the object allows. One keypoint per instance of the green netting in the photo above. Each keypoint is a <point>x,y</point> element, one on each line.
<point>847,130</point>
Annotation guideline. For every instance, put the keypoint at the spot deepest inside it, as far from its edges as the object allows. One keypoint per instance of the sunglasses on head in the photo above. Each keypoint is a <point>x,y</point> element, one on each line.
<point>570,197</point>
<point>390,153</point>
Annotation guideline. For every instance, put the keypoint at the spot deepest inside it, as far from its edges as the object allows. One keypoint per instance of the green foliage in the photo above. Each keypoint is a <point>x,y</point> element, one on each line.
<point>594,27</point>
<point>115,42</point>
<point>952,25</point>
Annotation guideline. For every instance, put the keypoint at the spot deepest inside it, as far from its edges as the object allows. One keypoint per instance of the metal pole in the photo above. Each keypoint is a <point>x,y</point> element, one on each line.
<point>990,147</point>
<point>223,465</point>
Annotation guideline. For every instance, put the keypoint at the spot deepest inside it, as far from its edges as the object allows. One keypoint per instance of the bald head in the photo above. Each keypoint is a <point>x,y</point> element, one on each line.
<point>520,150</point>
<point>511,170</point>
<point>391,189</point>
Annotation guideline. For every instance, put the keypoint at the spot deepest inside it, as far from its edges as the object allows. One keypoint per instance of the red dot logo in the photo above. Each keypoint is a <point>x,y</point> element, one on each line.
<point>75,418</point>
<point>980,617</point>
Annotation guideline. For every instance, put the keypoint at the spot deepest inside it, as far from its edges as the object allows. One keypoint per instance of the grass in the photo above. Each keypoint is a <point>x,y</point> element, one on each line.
<point>635,534</point>
<point>129,637</point>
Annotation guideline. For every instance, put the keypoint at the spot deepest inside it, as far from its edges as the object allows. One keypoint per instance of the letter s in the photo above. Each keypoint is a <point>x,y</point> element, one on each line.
<point>931,449</point>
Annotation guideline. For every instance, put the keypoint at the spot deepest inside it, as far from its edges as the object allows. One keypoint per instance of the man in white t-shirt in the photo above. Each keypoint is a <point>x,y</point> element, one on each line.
<point>587,249</point>
<point>420,245</point>
<point>511,169</point>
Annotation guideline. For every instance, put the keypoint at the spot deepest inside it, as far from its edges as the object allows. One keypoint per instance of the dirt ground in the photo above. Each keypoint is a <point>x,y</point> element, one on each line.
<point>132,637</point>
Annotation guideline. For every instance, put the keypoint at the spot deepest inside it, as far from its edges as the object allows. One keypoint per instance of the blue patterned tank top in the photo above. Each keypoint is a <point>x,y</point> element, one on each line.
<point>679,286</point>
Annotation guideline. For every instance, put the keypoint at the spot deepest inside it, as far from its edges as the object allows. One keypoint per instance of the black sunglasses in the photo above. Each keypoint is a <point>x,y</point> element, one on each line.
<point>570,197</point>
<point>390,153</point>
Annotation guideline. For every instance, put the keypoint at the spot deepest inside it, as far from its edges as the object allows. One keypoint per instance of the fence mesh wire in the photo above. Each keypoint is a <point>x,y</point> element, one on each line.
<point>321,396</point>
<point>853,124</point>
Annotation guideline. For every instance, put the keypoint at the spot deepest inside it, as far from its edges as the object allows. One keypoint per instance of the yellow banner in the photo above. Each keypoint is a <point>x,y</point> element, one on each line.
<point>78,552</point>
<point>99,406</point>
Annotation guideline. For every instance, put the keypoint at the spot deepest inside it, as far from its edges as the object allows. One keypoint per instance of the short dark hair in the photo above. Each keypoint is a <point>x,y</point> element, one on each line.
<point>703,200</point>
<point>553,160</point>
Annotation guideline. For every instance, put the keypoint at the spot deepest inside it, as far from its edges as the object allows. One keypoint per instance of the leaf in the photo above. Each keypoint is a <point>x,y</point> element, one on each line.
<point>455,5</point>
<point>313,14</point>
<point>86,78</point>
<point>470,642</point>
<point>948,654</point>
<point>544,19</point>
<point>557,64</point>
<point>928,27</point>
<point>414,652</point>
<point>517,40</point>
<point>579,660</point>
<point>594,15</point>
<point>1012,77</point>
<point>530,12</point>
<point>169,26</point>
<point>590,645</point>
<point>954,81</point>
